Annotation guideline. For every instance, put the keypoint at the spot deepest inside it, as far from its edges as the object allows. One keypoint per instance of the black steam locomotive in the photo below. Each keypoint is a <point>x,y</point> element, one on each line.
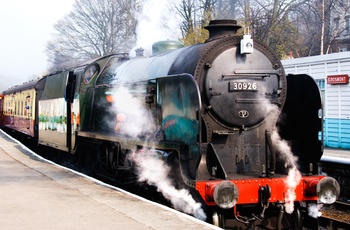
<point>223,114</point>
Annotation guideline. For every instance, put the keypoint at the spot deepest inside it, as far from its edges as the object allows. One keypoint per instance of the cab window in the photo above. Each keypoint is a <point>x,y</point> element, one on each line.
<point>90,72</point>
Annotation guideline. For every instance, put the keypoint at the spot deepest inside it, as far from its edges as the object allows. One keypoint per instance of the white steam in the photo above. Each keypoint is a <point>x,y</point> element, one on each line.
<point>136,117</point>
<point>294,175</point>
<point>313,210</point>
<point>137,121</point>
<point>154,171</point>
<point>282,147</point>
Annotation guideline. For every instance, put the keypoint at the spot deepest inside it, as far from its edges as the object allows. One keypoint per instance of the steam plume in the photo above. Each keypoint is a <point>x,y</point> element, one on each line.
<point>313,210</point>
<point>138,121</point>
<point>154,171</point>
<point>294,175</point>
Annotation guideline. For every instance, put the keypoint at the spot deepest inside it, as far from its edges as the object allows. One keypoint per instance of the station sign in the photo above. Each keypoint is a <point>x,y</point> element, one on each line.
<point>338,79</point>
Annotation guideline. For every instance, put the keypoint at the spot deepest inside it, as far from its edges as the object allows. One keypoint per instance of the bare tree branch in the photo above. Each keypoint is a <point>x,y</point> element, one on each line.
<point>94,28</point>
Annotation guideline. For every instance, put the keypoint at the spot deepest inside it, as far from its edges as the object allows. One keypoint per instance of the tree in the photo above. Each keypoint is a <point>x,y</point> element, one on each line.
<point>307,20</point>
<point>319,23</point>
<point>340,22</point>
<point>270,21</point>
<point>92,29</point>
<point>232,9</point>
<point>317,16</point>
<point>195,15</point>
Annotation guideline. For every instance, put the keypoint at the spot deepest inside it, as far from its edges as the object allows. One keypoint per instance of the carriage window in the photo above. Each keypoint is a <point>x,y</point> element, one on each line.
<point>21,109</point>
<point>16,106</point>
<point>90,72</point>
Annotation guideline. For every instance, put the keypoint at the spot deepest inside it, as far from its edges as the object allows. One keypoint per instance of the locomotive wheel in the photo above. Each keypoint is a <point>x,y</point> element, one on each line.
<point>218,218</point>
<point>292,221</point>
<point>297,219</point>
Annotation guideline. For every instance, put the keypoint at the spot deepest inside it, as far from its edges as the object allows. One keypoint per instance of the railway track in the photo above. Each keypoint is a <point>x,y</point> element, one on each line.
<point>336,216</point>
<point>339,169</point>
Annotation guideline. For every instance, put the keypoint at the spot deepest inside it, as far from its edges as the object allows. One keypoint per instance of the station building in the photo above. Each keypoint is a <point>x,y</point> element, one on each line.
<point>331,72</point>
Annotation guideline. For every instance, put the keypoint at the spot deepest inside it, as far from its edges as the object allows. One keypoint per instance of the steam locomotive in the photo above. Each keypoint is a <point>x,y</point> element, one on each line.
<point>223,114</point>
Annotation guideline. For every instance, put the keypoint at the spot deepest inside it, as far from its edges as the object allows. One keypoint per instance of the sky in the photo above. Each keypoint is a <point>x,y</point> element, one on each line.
<point>27,25</point>
<point>151,25</point>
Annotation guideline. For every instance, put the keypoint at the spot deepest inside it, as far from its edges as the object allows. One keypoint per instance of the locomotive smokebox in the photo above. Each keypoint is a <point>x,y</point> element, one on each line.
<point>222,28</point>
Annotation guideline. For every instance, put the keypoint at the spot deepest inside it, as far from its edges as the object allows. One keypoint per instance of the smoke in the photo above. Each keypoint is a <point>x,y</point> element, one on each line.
<point>294,175</point>
<point>313,210</point>
<point>286,154</point>
<point>133,118</point>
<point>136,120</point>
<point>154,171</point>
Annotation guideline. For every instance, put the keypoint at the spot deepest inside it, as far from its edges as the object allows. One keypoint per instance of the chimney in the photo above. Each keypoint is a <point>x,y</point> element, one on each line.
<point>222,28</point>
<point>139,52</point>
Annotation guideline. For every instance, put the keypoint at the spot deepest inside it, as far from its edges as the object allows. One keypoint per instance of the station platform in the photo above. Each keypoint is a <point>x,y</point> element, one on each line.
<point>37,194</point>
<point>336,155</point>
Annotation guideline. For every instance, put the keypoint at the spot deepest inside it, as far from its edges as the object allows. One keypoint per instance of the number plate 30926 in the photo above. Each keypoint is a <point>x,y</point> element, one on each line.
<point>241,86</point>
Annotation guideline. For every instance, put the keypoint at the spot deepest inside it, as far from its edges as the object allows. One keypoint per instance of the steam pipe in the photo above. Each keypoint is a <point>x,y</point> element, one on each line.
<point>272,166</point>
